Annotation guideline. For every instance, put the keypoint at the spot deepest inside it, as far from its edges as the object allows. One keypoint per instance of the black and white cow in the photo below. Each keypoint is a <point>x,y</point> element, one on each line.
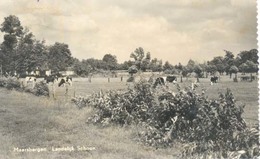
<point>51,78</point>
<point>30,81</point>
<point>65,81</point>
<point>171,79</point>
<point>159,81</point>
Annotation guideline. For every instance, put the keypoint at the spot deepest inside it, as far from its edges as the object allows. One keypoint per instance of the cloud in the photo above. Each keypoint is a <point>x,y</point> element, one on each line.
<point>171,30</point>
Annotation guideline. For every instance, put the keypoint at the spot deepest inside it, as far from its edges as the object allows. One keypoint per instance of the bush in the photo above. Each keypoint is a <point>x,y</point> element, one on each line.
<point>2,82</point>
<point>41,89</point>
<point>206,126</point>
<point>12,83</point>
<point>80,101</point>
<point>130,79</point>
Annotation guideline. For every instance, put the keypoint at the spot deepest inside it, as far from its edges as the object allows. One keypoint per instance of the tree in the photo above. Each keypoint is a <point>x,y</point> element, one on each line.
<point>228,61</point>
<point>145,62</point>
<point>243,68</point>
<point>179,67</point>
<point>81,68</point>
<point>251,68</point>
<point>160,66</point>
<point>125,65</point>
<point>203,67</point>
<point>156,65</point>
<point>219,63</point>
<point>198,70</point>
<point>184,71</point>
<point>141,60</point>
<point>244,56</point>
<point>12,26</point>
<point>248,67</point>
<point>233,69</point>
<point>190,66</point>
<point>40,52</point>
<point>30,53</point>
<point>212,69</point>
<point>59,57</point>
<point>167,66</point>
<point>132,70</point>
<point>110,61</point>
<point>13,30</point>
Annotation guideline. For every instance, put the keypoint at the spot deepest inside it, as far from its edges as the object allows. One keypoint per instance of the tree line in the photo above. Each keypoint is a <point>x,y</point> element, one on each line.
<point>21,52</point>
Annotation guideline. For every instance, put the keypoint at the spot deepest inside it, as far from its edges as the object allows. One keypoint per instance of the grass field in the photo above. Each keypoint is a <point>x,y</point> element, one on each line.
<point>244,92</point>
<point>39,122</point>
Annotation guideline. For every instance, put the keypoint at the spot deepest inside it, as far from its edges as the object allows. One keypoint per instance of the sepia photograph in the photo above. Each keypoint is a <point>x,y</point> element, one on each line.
<point>129,79</point>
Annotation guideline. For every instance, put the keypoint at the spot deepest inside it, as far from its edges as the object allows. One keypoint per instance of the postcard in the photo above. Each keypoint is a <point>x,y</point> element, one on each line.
<point>129,79</point>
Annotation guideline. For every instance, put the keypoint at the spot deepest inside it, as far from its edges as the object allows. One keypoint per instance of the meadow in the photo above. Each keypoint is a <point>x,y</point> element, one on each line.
<point>246,93</point>
<point>51,122</point>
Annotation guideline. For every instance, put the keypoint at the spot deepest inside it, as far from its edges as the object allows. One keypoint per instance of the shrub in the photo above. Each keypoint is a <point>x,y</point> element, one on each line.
<point>29,90</point>
<point>130,79</point>
<point>80,101</point>
<point>2,82</point>
<point>12,83</point>
<point>206,126</point>
<point>41,89</point>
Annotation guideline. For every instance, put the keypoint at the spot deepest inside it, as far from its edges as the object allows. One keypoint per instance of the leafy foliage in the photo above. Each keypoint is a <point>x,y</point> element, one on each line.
<point>141,59</point>
<point>59,57</point>
<point>205,126</point>
<point>131,79</point>
<point>12,83</point>
<point>110,61</point>
<point>132,70</point>
<point>41,89</point>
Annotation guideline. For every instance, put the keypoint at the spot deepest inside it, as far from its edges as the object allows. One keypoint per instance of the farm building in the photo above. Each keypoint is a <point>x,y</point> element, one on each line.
<point>45,72</point>
<point>68,72</point>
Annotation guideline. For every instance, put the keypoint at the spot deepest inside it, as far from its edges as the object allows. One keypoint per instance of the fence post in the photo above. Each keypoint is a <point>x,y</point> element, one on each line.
<point>74,94</point>
<point>53,91</point>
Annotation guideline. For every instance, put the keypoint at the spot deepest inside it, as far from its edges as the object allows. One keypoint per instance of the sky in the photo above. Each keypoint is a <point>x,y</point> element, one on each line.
<point>171,30</point>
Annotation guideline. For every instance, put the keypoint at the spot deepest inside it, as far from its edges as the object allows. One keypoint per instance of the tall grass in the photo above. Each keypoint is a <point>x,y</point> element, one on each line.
<point>29,121</point>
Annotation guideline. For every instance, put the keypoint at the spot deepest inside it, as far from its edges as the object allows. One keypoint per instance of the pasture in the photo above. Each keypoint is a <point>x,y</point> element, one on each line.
<point>40,122</point>
<point>244,92</point>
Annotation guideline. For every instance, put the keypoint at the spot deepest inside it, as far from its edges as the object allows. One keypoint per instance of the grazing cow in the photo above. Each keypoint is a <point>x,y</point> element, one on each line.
<point>214,79</point>
<point>30,81</point>
<point>171,79</point>
<point>69,80</point>
<point>51,79</point>
<point>158,81</point>
<point>65,81</point>
<point>62,82</point>
<point>248,78</point>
